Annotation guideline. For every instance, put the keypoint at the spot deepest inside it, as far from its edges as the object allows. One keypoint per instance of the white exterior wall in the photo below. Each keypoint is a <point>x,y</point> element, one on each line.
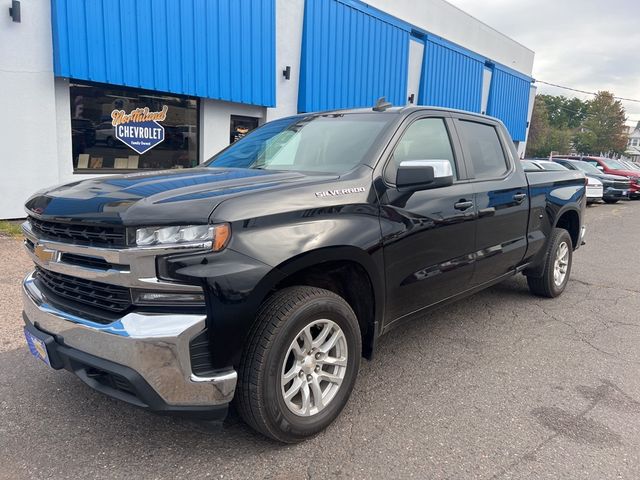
<point>215,120</point>
<point>28,120</point>
<point>445,20</point>
<point>289,20</point>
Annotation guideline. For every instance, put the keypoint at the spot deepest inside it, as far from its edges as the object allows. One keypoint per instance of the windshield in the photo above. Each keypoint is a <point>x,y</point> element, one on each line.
<point>586,167</point>
<point>329,143</point>
<point>613,164</point>
<point>552,166</point>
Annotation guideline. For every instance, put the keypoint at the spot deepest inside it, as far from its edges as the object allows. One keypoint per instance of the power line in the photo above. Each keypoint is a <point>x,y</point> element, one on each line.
<point>585,92</point>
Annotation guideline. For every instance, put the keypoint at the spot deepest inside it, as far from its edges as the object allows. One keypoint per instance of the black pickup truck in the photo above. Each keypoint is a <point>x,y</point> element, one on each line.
<point>264,275</point>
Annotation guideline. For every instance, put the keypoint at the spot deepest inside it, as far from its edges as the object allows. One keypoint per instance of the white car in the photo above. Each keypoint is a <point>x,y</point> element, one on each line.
<point>594,190</point>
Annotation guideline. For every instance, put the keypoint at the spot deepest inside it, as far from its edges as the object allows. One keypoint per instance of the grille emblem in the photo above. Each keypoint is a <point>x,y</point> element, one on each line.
<point>43,253</point>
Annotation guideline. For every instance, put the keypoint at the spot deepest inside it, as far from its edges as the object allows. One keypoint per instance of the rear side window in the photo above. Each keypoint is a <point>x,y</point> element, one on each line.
<point>424,139</point>
<point>485,149</point>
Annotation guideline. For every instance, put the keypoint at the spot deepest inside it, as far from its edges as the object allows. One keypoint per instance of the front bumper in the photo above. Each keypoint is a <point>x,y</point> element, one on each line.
<point>149,351</point>
<point>616,193</point>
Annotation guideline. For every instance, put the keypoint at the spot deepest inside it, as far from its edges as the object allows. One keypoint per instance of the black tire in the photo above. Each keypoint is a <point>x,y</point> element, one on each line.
<point>259,397</point>
<point>610,200</point>
<point>545,286</point>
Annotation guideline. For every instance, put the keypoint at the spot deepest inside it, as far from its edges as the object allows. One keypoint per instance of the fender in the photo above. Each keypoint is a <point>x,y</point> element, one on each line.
<point>538,261</point>
<point>236,285</point>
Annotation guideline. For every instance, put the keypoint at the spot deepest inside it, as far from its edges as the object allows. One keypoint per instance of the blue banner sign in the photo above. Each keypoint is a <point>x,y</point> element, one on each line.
<point>139,129</point>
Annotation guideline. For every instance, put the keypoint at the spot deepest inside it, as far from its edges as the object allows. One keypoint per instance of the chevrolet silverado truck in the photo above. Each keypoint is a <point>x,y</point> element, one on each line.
<point>263,276</point>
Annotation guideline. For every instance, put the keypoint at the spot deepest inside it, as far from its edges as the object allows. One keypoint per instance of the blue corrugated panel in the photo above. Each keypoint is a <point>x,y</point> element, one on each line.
<point>222,49</point>
<point>351,55</point>
<point>509,100</point>
<point>451,77</point>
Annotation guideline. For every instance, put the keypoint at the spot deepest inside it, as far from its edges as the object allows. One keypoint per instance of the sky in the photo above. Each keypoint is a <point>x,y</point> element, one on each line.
<point>585,44</point>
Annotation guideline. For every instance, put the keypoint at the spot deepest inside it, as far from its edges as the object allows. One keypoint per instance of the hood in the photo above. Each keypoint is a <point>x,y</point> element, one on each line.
<point>627,173</point>
<point>157,198</point>
<point>611,178</point>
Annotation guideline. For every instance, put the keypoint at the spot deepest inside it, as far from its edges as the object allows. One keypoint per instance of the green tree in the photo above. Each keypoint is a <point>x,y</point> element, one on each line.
<point>603,130</point>
<point>565,113</point>
<point>544,137</point>
<point>538,129</point>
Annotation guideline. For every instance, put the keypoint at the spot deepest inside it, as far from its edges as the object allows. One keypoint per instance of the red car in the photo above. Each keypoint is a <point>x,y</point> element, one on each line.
<point>613,167</point>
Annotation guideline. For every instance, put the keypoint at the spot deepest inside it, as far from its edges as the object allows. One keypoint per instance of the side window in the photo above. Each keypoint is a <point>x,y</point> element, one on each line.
<point>485,149</point>
<point>425,139</point>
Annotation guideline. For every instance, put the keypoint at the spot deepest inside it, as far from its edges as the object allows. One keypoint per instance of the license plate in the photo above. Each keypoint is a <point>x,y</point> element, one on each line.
<point>624,192</point>
<point>37,347</point>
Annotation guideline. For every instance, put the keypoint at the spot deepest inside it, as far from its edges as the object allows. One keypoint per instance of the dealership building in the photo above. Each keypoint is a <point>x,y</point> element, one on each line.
<point>95,87</point>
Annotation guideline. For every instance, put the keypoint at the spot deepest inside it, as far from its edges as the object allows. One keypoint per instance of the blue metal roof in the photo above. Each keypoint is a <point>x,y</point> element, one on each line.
<point>223,49</point>
<point>509,100</point>
<point>451,76</point>
<point>351,55</point>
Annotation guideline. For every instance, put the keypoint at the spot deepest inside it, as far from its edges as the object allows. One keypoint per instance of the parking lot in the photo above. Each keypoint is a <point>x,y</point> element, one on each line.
<point>500,385</point>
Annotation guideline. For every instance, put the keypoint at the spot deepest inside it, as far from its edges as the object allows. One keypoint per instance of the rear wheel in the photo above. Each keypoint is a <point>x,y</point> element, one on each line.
<point>610,200</point>
<point>300,363</point>
<point>557,266</point>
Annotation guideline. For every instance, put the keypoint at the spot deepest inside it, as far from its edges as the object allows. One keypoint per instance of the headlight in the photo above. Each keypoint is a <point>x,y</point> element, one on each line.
<point>218,235</point>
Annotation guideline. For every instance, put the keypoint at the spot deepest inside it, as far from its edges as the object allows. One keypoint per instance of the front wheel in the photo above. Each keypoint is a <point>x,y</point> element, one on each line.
<point>557,266</point>
<point>300,363</point>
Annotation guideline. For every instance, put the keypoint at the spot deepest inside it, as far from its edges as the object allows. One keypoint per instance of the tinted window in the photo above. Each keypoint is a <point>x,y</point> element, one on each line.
<point>483,145</point>
<point>96,113</point>
<point>425,139</point>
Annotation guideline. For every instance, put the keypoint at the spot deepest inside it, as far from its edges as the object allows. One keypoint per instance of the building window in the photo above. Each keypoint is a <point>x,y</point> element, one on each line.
<point>240,126</point>
<point>117,128</point>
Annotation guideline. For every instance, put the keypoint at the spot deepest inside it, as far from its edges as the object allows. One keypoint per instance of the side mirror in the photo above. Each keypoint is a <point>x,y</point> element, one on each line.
<point>423,174</point>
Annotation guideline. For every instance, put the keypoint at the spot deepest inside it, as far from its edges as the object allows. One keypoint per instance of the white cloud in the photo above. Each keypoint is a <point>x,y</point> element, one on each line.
<point>589,45</point>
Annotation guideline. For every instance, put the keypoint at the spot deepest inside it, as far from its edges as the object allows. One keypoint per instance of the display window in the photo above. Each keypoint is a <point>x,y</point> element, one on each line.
<point>120,129</point>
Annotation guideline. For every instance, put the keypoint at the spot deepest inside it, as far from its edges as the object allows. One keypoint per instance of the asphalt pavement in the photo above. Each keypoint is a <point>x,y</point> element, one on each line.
<point>500,385</point>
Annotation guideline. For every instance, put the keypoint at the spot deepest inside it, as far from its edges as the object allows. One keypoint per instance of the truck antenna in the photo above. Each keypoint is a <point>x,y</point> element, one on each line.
<point>382,105</point>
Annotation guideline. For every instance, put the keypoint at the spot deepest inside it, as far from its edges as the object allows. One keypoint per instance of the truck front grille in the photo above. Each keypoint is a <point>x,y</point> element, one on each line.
<point>99,295</point>
<point>621,184</point>
<point>94,235</point>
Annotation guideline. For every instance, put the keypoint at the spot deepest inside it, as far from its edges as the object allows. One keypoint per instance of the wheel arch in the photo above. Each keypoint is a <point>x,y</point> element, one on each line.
<point>569,219</point>
<point>347,271</point>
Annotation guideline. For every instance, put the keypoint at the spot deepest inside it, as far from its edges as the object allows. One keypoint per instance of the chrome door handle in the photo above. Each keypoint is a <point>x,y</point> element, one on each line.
<point>463,205</point>
<point>519,197</point>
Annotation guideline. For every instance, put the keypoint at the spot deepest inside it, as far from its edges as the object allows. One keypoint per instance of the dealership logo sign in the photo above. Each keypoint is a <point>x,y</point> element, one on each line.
<point>139,129</point>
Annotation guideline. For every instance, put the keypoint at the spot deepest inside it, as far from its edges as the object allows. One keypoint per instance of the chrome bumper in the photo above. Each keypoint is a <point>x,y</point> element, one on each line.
<point>156,346</point>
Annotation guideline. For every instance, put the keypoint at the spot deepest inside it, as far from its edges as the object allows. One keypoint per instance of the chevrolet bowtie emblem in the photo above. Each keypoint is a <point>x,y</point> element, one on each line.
<point>43,253</point>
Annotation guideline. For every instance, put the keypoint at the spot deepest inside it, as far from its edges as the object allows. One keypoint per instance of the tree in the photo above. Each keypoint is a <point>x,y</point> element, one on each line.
<point>603,130</point>
<point>565,113</point>
<point>538,129</point>
<point>544,138</point>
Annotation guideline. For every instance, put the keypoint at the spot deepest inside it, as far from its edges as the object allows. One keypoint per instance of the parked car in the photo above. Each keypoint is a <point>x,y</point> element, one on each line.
<point>615,187</point>
<point>613,167</point>
<point>265,274</point>
<point>630,165</point>
<point>594,186</point>
<point>105,133</point>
